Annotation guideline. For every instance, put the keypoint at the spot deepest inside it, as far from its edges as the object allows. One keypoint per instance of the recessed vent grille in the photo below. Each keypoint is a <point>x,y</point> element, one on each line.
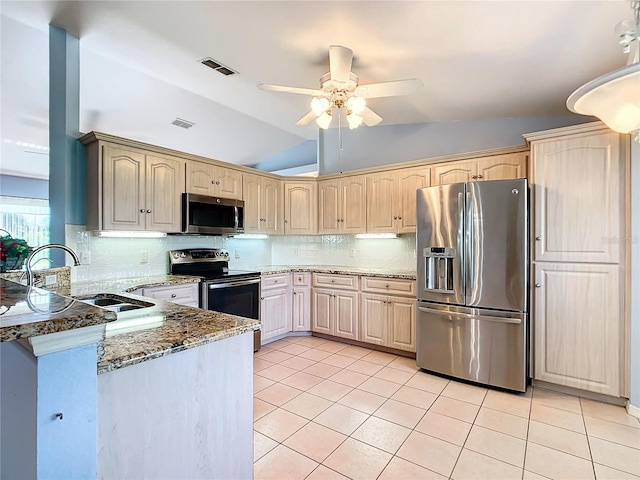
<point>217,66</point>
<point>182,123</point>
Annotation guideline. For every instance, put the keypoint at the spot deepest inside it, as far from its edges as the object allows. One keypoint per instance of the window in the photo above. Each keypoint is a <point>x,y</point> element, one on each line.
<point>26,218</point>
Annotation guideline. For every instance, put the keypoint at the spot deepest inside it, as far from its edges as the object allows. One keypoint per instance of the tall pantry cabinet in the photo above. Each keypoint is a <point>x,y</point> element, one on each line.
<point>578,231</point>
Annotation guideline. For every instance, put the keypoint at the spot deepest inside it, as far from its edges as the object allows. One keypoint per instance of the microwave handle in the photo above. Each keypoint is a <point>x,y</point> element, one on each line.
<point>235,209</point>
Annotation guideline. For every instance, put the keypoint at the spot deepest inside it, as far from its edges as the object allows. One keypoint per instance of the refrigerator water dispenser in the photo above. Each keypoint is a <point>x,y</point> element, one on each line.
<point>439,269</point>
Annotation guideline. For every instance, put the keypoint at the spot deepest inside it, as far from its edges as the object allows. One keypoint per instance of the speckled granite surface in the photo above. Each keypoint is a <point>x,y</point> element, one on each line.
<point>123,285</point>
<point>63,276</point>
<point>30,311</point>
<point>362,271</point>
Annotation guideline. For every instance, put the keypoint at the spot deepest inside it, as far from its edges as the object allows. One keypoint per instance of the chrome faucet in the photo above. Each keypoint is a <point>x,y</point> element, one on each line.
<point>76,260</point>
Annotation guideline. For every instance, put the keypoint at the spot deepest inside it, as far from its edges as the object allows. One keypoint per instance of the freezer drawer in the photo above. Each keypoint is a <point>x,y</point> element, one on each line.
<point>484,346</point>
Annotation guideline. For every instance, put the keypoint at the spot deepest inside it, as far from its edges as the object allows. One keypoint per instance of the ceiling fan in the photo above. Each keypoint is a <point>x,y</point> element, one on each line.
<point>339,89</point>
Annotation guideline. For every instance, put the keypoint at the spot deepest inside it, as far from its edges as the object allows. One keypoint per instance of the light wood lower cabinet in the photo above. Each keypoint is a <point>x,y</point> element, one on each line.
<point>577,337</point>
<point>275,305</point>
<point>184,294</point>
<point>301,302</point>
<point>334,312</point>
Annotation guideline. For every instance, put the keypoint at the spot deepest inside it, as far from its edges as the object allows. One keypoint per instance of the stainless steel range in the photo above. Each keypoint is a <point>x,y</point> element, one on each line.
<point>236,292</point>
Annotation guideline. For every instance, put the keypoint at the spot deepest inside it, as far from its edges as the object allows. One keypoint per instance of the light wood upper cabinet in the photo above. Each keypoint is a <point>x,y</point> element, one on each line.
<point>208,179</point>
<point>578,201</point>
<point>139,191</point>
<point>262,204</point>
<point>300,212</point>
<point>496,167</point>
<point>342,205</point>
<point>391,199</point>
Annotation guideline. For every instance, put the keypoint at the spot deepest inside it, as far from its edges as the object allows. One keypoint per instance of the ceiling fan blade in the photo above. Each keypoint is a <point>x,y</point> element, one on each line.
<point>308,118</point>
<point>298,90</point>
<point>340,59</point>
<point>389,89</point>
<point>370,118</point>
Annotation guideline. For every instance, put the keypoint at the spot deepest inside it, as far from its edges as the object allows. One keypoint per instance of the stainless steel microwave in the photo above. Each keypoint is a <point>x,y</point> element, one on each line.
<point>211,215</point>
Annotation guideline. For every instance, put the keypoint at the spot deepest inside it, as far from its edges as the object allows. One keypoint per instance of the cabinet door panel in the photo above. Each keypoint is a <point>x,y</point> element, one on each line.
<point>409,181</point>
<point>321,311</point>
<point>353,205</point>
<point>381,190</point>
<point>346,314</point>
<point>301,309</point>
<point>200,178</point>
<point>164,186</point>
<point>453,173</point>
<point>328,206</point>
<point>373,328</point>
<point>402,324</point>
<point>275,313</point>
<point>577,326</point>
<point>123,190</point>
<point>251,192</point>
<point>577,197</point>
<point>300,208</point>
<point>228,183</point>
<point>270,206</point>
<point>503,167</point>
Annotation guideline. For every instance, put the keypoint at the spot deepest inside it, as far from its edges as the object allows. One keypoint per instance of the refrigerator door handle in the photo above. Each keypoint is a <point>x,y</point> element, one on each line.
<point>469,254</point>
<point>472,317</point>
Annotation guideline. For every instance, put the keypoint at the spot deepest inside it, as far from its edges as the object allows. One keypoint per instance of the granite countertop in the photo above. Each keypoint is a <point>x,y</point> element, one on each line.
<point>30,311</point>
<point>336,269</point>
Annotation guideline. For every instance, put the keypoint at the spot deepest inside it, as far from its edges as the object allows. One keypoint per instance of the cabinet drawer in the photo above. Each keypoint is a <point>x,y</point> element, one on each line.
<point>347,282</point>
<point>301,279</point>
<point>278,280</point>
<point>392,286</point>
<point>186,294</point>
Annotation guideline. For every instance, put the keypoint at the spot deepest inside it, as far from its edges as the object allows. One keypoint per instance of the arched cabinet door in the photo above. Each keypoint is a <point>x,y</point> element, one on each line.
<point>123,195</point>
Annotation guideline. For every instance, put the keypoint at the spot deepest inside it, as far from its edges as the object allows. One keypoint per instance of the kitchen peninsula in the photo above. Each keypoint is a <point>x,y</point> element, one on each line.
<point>173,392</point>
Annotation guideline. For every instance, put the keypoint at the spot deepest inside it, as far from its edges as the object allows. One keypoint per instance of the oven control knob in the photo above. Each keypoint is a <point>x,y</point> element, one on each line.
<point>183,255</point>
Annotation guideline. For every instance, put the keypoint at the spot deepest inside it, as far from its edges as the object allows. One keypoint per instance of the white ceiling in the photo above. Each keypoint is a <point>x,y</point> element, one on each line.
<point>139,66</point>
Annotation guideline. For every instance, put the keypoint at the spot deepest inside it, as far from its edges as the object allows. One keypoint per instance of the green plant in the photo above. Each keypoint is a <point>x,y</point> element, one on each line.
<point>13,252</point>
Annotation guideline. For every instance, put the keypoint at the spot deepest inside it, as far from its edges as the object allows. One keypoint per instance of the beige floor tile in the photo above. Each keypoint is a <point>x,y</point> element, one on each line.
<point>608,473</point>
<point>324,473</point>
<point>445,428</point>
<point>615,455</point>
<point>341,418</point>
<point>428,383</point>
<point>455,408</point>
<point>276,373</point>
<point>557,417</point>
<point>367,368</point>
<point>338,360</point>
<point>307,405</point>
<point>400,413</point>
<point>278,394</point>
<point>278,344</point>
<point>562,401</point>
<point>400,469</point>
<point>473,465</point>
<point>264,349</point>
<point>379,387</point>
<point>380,358</point>
<point>464,392</point>
<point>527,475</point>
<point>405,364</point>
<point>330,390</point>
<point>332,347</point>
<point>415,397</point>
<point>358,460</point>
<point>302,380</point>
<point>394,375</point>
<point>347,377</point>
<point>298,363</point>
<point>321,369</point>
<point>261,408</point>
<point>430,452</point>
<point>275,356</point>
<point>613,432</point>
<point>559,439</point>
<point>315,441</point>
<point>503,422</point>
<point>556,464</point>
<point>260,383</point>
<point>313,342</point>
<point>261,364</point>
<point>293,348</point>
<point>507,403</point>
<point>262,445</point>
<point>496,445</point>
<point>279,424</point>
<point>315,354</point>
<point>381,434</point>
<point>283,463</point>
<point>355,352</point>
<point>363,401</point>
<point>611,413</point>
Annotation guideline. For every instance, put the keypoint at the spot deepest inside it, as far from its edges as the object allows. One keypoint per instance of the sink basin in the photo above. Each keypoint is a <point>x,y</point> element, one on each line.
<point>115,303</point>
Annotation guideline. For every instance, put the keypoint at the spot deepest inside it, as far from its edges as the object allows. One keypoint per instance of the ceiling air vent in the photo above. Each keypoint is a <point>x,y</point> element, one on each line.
<point>182,123</point>
<point>217,66</point>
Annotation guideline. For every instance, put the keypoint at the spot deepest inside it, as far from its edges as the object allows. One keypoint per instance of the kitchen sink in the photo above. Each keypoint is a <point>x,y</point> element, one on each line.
<point>115,303</point>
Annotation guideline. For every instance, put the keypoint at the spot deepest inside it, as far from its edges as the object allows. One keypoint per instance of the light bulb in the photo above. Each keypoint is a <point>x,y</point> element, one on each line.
<point>356,104</point>
<point>324,120</point>
<point>319,105</point>
<point>354,120</point>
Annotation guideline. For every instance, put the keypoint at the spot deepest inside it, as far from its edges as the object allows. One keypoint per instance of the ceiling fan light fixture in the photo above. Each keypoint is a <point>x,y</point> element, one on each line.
<point>354,120</point>
<point>319,105</point>
<point>324,120</point>
<point>356,104</point>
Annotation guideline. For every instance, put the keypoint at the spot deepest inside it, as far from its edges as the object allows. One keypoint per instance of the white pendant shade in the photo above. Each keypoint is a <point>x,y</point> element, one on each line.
<point>614,98</point>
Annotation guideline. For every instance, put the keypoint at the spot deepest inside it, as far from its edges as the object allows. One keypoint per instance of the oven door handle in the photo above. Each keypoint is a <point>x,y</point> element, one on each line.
<point>213,286</point>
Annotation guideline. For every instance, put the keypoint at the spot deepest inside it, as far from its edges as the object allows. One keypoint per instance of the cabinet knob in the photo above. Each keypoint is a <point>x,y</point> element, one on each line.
<point>142,210</point>
<point>261,298</point>
<point>299,279</point>
<point>217,182</point>
<point>474,176</point>
<point>173,295</point>
<point>538,238</point>
<point>538,285</point>
<point>275,281</point>
<point>479,176</point>
<point>295,293</point>
<point>286,221</point>
<point>399,217</point>
<point>148,211</point>
<point>395,217</point>
<point>213,182</point>
<point>386,286</point>
<point>333,281</point>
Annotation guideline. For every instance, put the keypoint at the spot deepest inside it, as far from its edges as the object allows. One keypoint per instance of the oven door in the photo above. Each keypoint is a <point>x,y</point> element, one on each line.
<point>240,297</point>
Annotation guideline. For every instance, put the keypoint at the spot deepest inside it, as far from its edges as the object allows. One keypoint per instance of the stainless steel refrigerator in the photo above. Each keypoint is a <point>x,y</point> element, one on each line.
<point>472,245</point>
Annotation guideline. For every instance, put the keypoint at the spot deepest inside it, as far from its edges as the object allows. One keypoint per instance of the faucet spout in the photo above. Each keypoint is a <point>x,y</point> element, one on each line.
<point>73,254</point>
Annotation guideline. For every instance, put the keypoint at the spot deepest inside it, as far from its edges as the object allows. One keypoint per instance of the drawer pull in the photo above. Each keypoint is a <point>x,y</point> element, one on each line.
<point>538,285</point>
<point>386,286</point>
<point>173,295</point>
<point>538,238</point>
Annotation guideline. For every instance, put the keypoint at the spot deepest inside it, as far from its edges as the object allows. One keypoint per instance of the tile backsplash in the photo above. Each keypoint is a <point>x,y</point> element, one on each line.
<point>124,257</point>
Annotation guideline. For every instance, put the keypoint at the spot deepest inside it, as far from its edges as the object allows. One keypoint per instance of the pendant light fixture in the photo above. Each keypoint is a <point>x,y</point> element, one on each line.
<point>615,97</point>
